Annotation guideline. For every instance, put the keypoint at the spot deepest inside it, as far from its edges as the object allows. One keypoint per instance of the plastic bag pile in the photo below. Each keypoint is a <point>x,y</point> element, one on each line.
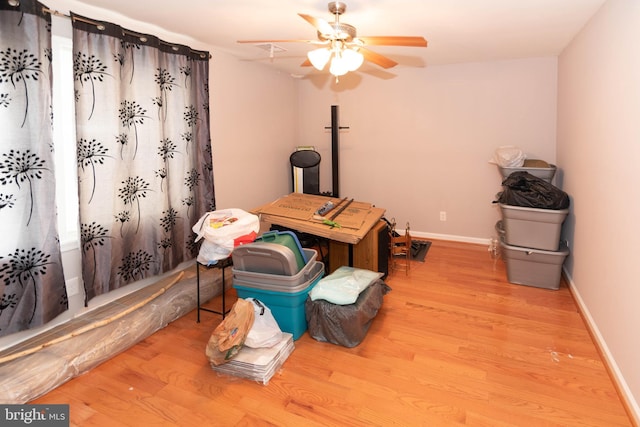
<point>509,157</point>
<point>249,323</point>
<point>222,231</point>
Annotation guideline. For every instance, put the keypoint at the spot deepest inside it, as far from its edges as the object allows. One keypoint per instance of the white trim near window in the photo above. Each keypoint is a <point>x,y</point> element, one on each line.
<point>64,139</point>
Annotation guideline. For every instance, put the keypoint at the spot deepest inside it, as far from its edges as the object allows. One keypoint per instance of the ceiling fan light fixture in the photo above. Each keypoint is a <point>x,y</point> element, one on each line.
<point>343,50</point>
<point>319,57</point>
<point>339,65</point>
<point>353,59</point>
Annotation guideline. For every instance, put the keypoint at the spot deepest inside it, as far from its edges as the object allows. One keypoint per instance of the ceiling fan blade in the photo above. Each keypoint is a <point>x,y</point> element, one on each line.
<point>321,25</point>
<point>394,41</point>
<point>377,59</point>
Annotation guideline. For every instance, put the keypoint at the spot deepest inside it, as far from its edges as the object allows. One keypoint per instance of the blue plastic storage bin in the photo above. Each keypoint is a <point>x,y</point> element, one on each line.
<point>287,307</point>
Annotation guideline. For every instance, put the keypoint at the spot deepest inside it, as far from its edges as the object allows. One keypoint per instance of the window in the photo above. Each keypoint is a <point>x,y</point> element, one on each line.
<point>64,139</point>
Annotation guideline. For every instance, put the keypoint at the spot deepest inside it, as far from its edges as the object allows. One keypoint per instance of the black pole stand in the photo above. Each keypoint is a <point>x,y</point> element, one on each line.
<point>335,150</point>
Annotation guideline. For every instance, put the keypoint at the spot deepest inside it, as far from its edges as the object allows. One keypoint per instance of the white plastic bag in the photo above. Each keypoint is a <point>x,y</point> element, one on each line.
<point>210,253</point>
<point>509,157</point>
<point>265,331</point>
<point>223,230</point>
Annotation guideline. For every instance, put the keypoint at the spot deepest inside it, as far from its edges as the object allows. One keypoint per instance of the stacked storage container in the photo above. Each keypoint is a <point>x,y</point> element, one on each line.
<point>530,237</point>
<point>276,270</point>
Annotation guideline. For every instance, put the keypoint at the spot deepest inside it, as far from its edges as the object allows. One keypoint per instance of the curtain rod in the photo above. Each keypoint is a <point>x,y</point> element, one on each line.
<point>101,27</point>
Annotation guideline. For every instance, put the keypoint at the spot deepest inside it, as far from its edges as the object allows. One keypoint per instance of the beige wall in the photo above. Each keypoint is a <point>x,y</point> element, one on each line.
<point>420,143</point>
<point>253,127</point>
<point>599,150</point>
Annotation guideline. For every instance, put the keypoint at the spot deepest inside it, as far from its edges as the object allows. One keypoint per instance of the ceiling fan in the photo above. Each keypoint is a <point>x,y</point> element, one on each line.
<point>341,47</point>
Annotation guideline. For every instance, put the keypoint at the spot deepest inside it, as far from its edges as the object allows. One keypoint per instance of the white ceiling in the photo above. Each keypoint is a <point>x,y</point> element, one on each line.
<point>456,30</point>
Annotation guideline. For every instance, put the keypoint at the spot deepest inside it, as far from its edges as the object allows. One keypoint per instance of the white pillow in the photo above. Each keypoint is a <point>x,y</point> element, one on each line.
<point>343,286</point>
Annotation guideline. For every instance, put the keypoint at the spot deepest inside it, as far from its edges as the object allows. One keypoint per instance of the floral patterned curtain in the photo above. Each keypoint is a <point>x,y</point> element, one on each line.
<point>144,152</point>
<point>32,284</point>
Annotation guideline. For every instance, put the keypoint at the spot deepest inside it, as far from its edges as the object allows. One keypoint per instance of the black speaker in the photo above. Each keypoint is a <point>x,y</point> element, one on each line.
<point>383,251</point>
<point>309,162</point>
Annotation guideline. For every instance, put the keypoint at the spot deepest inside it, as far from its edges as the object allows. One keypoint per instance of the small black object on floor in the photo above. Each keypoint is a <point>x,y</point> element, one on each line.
<point>419,249</point>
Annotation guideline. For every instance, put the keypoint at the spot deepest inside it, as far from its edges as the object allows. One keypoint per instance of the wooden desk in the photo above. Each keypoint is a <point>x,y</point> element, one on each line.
<point>371,253</point>
<point>357,221</point>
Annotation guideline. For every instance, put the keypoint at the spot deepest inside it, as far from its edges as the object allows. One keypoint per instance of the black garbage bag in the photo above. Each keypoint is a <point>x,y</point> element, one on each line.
<point>345,325</point>
<point>526,190</point>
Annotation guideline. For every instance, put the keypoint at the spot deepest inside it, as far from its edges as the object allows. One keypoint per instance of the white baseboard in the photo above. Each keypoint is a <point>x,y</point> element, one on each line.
<point>627,395</point>
<point>450,237</point>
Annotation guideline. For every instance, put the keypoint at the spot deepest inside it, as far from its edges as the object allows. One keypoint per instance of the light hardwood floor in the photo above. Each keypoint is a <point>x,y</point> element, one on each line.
<point>454,344</point>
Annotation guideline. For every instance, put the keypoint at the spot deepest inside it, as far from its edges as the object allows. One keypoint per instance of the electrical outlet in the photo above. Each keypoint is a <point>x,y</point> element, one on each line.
<point>443,216</point>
